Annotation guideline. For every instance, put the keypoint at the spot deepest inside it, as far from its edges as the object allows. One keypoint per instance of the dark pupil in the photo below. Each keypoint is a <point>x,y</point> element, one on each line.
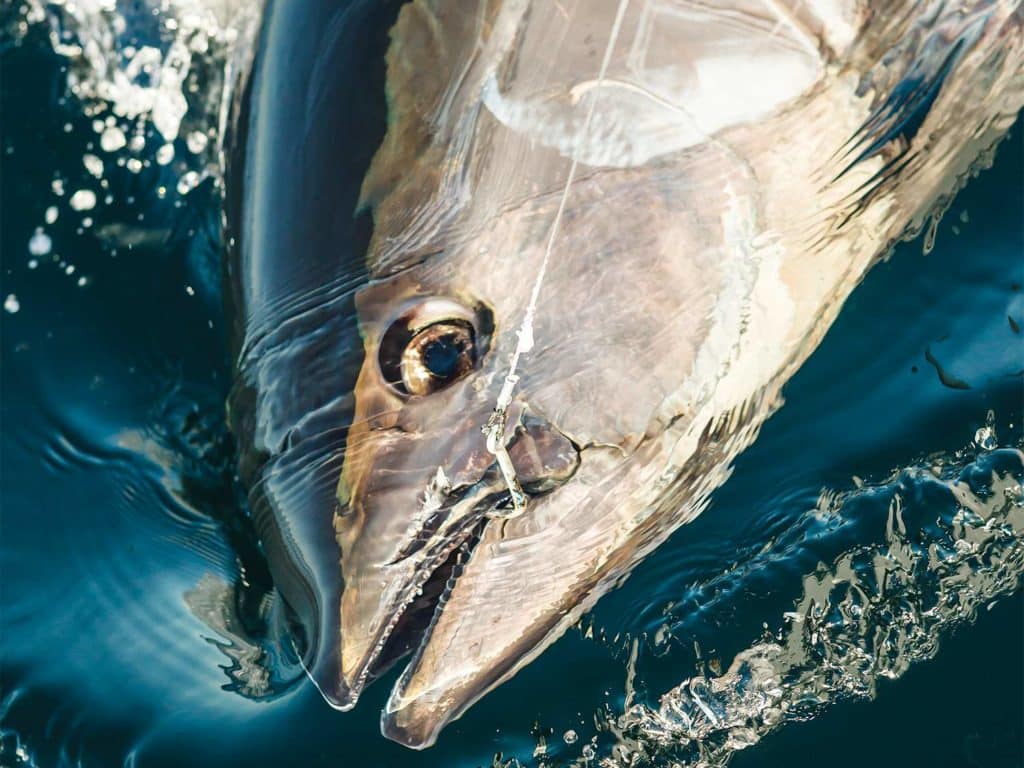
<point>441,356</point>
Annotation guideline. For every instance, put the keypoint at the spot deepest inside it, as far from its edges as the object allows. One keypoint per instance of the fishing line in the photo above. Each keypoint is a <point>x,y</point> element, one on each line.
<point>495,427</point>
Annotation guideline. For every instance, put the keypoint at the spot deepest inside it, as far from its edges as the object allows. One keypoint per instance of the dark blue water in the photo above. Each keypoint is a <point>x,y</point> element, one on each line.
<point>120,510</point>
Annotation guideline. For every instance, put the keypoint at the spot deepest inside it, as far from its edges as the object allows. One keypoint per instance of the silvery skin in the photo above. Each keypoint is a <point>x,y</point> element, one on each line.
<point>605,234</point>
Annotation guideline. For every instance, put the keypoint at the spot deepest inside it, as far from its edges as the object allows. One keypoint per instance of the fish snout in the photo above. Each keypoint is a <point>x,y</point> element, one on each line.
<point>543,457</point>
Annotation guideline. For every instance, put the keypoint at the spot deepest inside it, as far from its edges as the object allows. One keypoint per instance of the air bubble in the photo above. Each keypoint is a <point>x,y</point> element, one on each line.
<point>11,303</point>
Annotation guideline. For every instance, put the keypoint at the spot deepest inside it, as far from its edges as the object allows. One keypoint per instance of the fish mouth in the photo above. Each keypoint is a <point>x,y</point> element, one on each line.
<point>423,573</point>
<point>411,626</point>
<point>412,519</point>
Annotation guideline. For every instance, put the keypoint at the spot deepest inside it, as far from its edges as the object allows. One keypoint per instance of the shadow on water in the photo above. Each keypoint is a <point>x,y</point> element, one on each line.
<point>119,499</point>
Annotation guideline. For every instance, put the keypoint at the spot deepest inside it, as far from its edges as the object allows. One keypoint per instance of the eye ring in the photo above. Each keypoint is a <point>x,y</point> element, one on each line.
<point>432,345</point>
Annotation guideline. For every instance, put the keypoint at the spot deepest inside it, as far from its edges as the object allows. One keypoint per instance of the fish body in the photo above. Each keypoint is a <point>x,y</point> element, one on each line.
<point>505,338</point>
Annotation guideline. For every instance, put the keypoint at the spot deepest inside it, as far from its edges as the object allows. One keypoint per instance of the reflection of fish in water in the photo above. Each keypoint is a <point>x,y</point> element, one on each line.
<point>605,234</point>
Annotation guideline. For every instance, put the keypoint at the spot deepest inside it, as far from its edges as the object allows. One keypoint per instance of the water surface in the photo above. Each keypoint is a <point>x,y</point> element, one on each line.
<point>122,526</point>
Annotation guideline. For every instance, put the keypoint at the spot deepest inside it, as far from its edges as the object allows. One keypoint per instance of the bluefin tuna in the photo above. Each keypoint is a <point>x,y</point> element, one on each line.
<point>516,280</point>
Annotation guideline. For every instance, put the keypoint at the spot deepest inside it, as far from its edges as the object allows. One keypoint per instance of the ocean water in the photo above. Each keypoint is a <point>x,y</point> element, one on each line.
<point>852,596</point>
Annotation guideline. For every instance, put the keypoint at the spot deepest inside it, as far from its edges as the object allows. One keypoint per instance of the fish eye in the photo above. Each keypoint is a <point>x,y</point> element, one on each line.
<point>436,356</point>
<point>432,346</point>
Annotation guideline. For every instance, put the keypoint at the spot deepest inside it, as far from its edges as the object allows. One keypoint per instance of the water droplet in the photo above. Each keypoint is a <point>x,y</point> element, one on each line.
<point>11,303</point>
<point>200,44</point>
<point>542,747</point>
<point>188,182</point>
<point>112,139</point>
<point>83,200</point>
<point>40,243</point>
<point>165,154</point>
<point>196,142</point>
<point>986,437</point>
<point>93,165</point>
<point>570,737</point>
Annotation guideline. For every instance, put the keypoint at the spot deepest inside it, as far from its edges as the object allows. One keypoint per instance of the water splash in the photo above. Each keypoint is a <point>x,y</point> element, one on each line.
<point>13,751</point>
<point>952,542</point>
<point>156,61</point>
<point>150,83</point>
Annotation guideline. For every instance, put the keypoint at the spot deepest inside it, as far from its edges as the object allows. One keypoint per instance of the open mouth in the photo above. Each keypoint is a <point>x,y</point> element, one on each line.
<point>412,623</point>
<point>433,560</point>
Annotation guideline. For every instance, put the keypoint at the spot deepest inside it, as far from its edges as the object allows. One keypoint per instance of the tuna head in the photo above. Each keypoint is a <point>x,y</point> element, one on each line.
<point>592,270</point>
<point>432,539</point>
